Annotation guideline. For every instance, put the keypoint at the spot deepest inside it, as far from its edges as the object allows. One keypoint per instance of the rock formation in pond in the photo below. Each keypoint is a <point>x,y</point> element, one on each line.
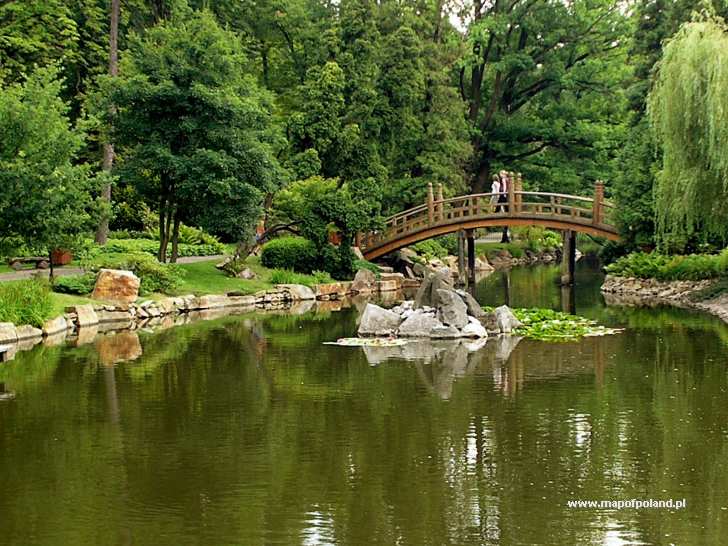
<point>437,312</point>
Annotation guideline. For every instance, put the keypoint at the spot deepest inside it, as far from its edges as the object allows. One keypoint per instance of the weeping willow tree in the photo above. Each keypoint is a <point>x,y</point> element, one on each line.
<point>688,109</point>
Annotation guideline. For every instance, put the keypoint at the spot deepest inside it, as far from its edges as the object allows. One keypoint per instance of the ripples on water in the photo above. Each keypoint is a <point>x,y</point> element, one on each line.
<point>247,430</point>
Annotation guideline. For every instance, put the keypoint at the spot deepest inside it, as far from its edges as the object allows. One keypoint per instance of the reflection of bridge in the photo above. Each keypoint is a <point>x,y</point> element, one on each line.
<point>439,216</point>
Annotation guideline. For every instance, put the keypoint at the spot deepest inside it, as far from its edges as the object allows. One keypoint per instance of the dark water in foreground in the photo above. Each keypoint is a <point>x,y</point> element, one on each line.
<point>247,430</point>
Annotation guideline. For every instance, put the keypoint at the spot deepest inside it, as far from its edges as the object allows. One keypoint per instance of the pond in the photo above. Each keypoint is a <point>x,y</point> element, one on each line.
<point>248,430</point>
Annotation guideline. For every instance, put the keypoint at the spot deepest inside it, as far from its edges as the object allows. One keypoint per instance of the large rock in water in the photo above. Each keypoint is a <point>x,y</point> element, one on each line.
<point>453,311</point>
<point>117,286</point>
<point>506,320</point>
<point>377,321</point>
<point>474,308</point>
<point>474,328</point>
<point>419,324</point>
<point>365,281</point>
<point>427,293</point>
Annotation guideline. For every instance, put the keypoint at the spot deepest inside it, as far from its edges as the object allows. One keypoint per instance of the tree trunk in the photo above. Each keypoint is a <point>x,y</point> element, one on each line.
<point>162,229</point>
<point>175,239</point>
<point>102,232</point>
<point>482,175</point>
<point>51,275</point>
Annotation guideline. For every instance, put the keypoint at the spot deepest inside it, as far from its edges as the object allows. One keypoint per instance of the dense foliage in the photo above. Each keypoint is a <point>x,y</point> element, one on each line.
<point>318,117</point>
<point>154,276</point>
<point>671,268</point>
<point>294,253</point>
<point>25,302</point>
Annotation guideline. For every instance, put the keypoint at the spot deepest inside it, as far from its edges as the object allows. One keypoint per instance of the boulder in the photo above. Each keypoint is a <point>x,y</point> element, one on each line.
<point>419,324</point>
<point>489,322</point>
<point>506,320</point>
<point>365,281</point>
<point>482,264</point>
<point>444,332</point>
<point>8,333</point>
<point>452,310</point>
<point>116,285</point>
<point>427,292</point>
<point>247,274</point>
<point>298,292</point>
<point>420,270</point>
<point>474,328</point>
<point>377,321</point>
<point>85,315</point>
<point>54,326</point>
<point>332,290</point>
<point>28,332</point>
<point>474,308</point>
<point>223,265</point>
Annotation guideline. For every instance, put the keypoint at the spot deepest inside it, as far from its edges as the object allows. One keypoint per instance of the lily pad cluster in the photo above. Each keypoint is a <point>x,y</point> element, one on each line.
<point>550,325</point>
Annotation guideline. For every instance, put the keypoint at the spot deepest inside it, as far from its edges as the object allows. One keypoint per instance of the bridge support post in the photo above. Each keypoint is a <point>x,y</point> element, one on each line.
<point>461,257</point>
<point>440,206</point>
<point>568,258</point>
<point>470,236</point>
<point>430,204</point>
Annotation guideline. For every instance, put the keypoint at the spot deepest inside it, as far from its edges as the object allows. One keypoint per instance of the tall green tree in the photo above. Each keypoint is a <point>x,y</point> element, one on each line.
<point>45,196</point>
<point>196,130</point>
<point>688,108</point>
<point>542,86</point>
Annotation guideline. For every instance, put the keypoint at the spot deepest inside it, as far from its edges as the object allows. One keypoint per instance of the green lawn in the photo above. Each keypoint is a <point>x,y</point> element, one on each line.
<point>61,301</point>
<point>202,278</point>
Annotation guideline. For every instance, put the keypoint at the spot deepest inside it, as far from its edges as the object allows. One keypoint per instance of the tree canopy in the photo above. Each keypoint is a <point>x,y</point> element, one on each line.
<point>688,107</point>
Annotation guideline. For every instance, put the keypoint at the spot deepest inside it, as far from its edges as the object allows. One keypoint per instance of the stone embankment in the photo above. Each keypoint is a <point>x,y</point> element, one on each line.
<point>651,293</point>
<point>91,319</point>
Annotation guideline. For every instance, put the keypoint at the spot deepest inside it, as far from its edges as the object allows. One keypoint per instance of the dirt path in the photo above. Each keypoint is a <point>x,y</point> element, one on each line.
<point>66,271</point>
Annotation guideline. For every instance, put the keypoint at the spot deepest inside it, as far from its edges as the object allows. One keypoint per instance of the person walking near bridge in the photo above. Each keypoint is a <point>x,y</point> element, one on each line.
<point>494,190</point>
<point>505,182</point>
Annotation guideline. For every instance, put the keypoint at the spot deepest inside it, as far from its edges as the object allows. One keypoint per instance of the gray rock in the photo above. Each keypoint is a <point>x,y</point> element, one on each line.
<point>452,309</point>
<point>427,293</point>
<point>28,332</point>
<point>85,315</point>
<point>489,322</point>
<point>8,333</point>
<point>364,281</point>
<point>247,274</point>
<point>377,321</point>
<point>444,332</point>
<point>418,324</point>
<point>474,328</point>
<point>474,308</point>
<point>54,326</point>
<point>506,320</point>
<point>298,292</point>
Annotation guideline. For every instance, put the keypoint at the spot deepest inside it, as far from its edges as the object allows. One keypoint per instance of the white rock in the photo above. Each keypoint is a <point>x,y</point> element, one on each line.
<point>378,321</point>
<point>474,329</point>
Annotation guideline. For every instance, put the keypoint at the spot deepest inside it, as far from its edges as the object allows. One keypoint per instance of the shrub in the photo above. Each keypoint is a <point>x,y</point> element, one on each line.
<point>151,247</point>
<point>369,266</point>
<point>288,276</point>
<point>430,248</point>
<point>75,284</point>
<point>154,276</point>
<point>25,302</point>
<point>294,253</point>
<point>662,267</point>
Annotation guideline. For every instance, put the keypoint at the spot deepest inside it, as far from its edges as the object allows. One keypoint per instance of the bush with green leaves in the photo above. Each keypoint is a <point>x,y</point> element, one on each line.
<point>114,246</point>
<point>75,284</point>
<point>295,253</point>
<point>664,267</point>
<point>154,276</point>
<point>288,276</point>
<point>369,266</point>
<point>25,302</point>
<point>430,249</point>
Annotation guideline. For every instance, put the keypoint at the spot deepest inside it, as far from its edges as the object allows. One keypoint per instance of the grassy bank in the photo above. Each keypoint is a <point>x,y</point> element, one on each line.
<point>663,267</point>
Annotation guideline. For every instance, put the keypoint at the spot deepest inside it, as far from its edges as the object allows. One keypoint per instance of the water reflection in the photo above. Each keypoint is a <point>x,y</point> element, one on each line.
<point>248,430</point>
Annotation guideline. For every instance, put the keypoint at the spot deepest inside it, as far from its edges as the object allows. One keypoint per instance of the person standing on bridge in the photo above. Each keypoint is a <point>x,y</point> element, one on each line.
<point>505,181</point>
<point>495,190</point>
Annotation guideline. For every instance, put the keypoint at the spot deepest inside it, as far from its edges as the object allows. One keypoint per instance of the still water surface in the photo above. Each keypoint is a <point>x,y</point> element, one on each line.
<point>247,430</point>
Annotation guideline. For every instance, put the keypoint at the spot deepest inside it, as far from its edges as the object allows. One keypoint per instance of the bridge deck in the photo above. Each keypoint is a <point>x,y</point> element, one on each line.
<point>438,217</point>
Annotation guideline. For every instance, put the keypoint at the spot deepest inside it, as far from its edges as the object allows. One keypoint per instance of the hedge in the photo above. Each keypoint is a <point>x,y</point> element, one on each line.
<point>295,253</point>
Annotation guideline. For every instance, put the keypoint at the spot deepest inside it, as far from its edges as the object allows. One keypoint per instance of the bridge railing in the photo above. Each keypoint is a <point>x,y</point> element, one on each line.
<point>592,211</point>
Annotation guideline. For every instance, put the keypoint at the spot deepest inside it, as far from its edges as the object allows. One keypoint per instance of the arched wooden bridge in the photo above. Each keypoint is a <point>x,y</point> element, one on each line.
<point>439,216</point>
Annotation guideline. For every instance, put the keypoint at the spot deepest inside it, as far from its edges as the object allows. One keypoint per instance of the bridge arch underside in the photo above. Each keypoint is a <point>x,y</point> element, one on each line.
<point>435,231</point>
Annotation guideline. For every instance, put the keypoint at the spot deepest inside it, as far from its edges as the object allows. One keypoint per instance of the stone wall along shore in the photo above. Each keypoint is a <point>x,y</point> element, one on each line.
<point>90,319</point>
<point>651,292</point>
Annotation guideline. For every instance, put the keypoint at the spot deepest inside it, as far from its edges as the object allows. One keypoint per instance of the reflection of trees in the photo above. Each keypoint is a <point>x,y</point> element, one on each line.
<point>224,443</point>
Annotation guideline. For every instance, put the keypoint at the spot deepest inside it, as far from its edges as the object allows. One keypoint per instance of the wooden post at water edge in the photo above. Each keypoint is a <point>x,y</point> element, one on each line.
<point>568,258</point>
